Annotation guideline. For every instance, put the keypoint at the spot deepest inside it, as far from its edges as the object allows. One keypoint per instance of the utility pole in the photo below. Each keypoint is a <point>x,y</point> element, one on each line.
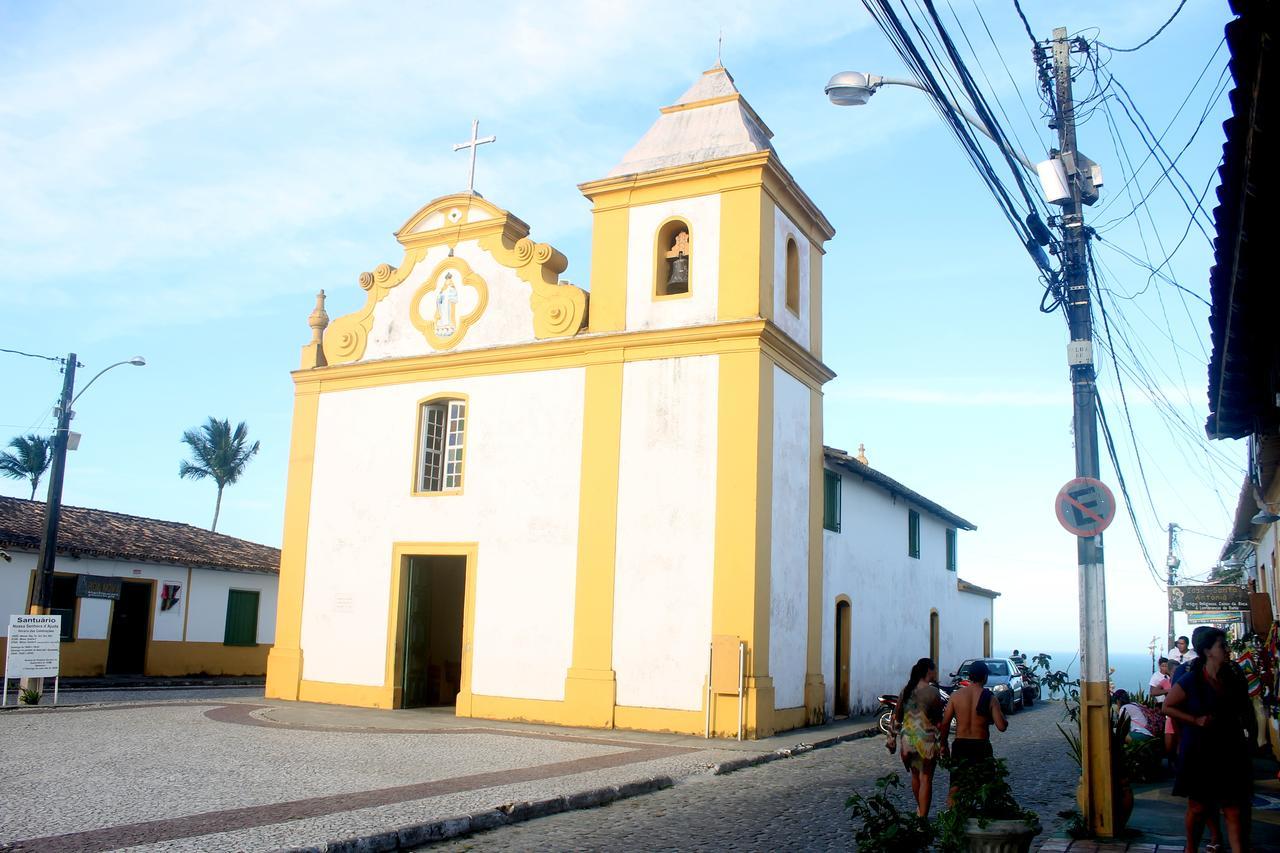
<point>42,589</point>
<point>1172,563</point>
<point>1096,795</point>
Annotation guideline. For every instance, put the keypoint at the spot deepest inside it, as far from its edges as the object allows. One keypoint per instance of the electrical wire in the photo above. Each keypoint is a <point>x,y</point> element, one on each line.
<point>1152,36</point>
<point>33,355</point>
<point>1157,149</point>
<point>1124,492</point>
<point>941,93</point>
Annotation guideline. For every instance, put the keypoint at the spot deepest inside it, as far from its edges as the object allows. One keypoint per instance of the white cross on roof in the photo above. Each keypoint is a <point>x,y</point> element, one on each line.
<point>473,144</point>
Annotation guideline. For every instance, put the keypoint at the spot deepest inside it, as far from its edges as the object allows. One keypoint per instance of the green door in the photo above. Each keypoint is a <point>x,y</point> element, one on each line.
<point>416,636</point>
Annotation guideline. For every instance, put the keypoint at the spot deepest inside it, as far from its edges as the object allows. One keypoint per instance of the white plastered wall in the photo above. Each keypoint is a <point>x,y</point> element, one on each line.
<point>962,629</point>
<point>666,531</point>
<point>795,325</point>
<point>506,319</point>
<point>702,213</point>
<point>789,541</point>
<point>891,594</point>
<point>519,503</point>
<point>208,621</point>
<point>208,601</point>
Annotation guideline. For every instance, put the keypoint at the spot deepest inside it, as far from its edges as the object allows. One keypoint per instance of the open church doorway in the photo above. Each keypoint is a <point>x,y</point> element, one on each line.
<point>843,643</point>
<point>434,593</point>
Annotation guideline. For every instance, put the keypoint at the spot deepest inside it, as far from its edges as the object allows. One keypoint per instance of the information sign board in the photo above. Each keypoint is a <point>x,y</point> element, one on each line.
<point>33,648</point>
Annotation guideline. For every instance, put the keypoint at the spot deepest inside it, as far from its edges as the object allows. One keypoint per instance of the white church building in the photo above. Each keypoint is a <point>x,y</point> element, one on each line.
<point>532,502</point>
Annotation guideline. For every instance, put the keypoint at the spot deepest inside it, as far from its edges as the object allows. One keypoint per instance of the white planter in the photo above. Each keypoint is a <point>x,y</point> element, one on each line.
<point>1001,836</point>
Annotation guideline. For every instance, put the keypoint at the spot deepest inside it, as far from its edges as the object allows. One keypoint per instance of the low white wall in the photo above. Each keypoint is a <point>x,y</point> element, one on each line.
<point>666,531</point>
<point>519,503</point>
<point>789,541</point>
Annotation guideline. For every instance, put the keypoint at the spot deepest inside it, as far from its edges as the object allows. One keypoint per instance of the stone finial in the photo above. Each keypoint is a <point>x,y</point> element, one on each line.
<point>313,353</point>
<point>319,319</point>
<point>862,453</point>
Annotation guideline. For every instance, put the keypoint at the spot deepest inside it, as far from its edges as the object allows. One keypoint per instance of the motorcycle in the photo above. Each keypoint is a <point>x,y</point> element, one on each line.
<point>889,707</point>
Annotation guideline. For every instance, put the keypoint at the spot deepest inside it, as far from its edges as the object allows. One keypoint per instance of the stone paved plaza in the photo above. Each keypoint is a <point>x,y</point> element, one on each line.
<point>222,774</point>
<point>796,804</point>
<point>227,774</point>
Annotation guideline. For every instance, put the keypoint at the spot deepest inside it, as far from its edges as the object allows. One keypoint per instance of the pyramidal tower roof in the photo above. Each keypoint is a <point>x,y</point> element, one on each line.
<point>710,121</point>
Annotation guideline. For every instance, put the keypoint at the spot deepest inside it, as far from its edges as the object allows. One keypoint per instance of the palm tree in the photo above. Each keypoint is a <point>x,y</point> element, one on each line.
<point>219,453</point>
<point>29,462</point>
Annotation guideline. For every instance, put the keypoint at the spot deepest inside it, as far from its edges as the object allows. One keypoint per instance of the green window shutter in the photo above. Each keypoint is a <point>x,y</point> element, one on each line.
<point>951,549</point>
<point>831,501</point>
<point>242,618</point>
<point>913,534</point>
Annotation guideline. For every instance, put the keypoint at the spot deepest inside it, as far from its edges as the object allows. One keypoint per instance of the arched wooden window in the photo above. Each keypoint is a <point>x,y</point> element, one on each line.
<point>986,638</point>
<point>793,276</point>
<point>673,261</point>
<point>934,639</point>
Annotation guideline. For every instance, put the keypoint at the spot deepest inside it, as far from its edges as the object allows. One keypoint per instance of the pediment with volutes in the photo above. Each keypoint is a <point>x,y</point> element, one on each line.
<point>471,278</point>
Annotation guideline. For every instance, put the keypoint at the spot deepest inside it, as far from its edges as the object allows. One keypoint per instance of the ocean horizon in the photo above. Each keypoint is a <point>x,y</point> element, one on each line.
<point>1132,669</point>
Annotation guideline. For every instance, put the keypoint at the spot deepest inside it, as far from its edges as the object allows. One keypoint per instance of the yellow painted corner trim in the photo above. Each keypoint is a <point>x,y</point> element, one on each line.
<point>742,171</point>
<point>559,308</point>
<point>333,693</point>
<point>579,351</point>
<point>458,212</point>
<point>470,278</point>
<point>705,102</point>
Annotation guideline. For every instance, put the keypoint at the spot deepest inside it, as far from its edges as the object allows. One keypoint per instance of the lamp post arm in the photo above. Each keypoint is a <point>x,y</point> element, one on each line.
<point>95,378</point>
<point>877,81</point>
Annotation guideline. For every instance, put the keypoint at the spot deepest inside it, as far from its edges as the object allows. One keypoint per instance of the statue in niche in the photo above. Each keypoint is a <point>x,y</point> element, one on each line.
<point>678,264</point>
<point>446,319</point>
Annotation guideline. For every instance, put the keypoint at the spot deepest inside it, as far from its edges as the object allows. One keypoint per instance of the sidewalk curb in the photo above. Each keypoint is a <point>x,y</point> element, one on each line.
<point>417,835</point>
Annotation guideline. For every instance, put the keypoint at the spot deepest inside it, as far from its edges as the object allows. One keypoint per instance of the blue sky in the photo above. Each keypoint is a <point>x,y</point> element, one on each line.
<point>177,181</point>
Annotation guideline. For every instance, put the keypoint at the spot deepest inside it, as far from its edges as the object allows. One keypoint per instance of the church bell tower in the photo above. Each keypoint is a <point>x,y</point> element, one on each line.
<point>701,231</point>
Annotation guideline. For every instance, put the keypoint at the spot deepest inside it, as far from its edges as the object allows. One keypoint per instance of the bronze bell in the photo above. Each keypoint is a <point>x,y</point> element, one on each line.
<point>678,279</point>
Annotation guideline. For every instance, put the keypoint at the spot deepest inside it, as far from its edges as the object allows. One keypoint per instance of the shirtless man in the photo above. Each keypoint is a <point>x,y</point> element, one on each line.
<point>974,709</point>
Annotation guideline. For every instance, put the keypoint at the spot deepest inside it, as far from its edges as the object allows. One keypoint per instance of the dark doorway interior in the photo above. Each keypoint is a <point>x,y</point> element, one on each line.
<point>434,591</point>
<point>130,622</point>
<point>843,630</point>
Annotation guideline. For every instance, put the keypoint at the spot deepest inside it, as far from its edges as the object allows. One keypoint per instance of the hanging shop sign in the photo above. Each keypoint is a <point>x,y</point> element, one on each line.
<point>97,586</point>
<point>1209,597</point>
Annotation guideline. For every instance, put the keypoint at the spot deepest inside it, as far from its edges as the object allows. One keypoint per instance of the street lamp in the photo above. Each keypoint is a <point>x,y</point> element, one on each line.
<point>42,589</point>
<point>854,89</point>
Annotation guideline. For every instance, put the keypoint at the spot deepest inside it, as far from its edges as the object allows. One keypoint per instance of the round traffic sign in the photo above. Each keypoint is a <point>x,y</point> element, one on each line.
<point>1085,506</point>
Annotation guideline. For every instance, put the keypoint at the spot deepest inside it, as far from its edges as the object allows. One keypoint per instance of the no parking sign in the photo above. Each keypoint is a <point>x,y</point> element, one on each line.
<point>1085,506</point>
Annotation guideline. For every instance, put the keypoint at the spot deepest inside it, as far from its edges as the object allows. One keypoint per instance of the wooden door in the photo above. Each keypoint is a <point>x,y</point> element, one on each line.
<point>130,624</point>
<point>843,646</point>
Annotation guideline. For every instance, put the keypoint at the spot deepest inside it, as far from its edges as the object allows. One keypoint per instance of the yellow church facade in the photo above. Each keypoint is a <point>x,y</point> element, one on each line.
<point>541,503</point>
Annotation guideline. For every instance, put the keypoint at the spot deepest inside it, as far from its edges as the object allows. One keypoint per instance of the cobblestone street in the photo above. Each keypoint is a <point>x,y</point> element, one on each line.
<point>792,804</point>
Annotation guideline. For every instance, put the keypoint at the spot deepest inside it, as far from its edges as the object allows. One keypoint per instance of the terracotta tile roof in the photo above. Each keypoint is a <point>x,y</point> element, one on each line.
<point>112,535</point>
<point>965,586</point>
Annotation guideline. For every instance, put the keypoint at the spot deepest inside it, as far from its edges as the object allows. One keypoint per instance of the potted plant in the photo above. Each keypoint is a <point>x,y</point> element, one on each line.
<point>882,827</point>
<point>983,816</point>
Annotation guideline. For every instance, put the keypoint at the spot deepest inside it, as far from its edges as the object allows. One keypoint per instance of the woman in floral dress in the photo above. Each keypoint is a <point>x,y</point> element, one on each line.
<point>917,730</point>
